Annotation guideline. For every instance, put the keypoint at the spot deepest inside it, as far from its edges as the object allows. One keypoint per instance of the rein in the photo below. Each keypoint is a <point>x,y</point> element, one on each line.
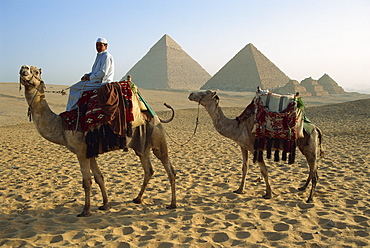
<point>29,111</point>
<point>62,92</point>
<point>195,129</point>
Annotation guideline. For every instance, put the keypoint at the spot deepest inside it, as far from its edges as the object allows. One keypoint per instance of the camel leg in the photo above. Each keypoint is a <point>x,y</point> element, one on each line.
<point>99,179</point>
<point>306,183</point>
<point>313,176</point>
<point>163,156</point>
<point>86,183</point>
<point>309,146</point>
<point>265,175</point>
<point>245,167</point>
<point>148,173</point>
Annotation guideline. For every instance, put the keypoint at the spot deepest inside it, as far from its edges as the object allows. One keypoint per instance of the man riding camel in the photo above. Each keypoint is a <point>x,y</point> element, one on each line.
<point>102,72</point>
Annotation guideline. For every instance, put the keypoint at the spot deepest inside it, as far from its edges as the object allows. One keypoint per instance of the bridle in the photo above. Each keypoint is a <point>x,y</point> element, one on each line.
<point>195,129</point>
<point>37,90</point>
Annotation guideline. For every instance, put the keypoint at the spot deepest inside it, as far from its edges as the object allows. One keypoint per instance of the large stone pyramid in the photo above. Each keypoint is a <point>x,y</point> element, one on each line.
<point>330,85</point>
<point>245,71</point>
<point>167,66</point>
<point>314,87</point>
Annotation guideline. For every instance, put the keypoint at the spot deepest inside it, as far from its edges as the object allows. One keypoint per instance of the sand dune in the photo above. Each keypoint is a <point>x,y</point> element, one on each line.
<point>41,191</point>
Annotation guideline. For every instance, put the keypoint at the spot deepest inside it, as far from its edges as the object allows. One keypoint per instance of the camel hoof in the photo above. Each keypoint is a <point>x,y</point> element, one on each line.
<point>309,200</point>
<point>301,188</point>
<point>137,200</point>
<point>239,191</point>
<point>266,196</point>
<point>172,206</point>
<point>83,214</point>
<point>104,207</point>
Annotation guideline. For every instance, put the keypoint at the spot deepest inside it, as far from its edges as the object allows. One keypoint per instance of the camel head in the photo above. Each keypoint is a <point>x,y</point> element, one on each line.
<point>30,76</point>
<point>204,97</point>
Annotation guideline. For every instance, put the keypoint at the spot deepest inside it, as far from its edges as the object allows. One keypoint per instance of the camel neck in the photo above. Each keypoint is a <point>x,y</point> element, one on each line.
<point>222,123</point>
<point>47,123</point>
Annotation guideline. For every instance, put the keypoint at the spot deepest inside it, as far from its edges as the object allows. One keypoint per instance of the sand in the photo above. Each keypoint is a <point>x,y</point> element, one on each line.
<point>41,191</point>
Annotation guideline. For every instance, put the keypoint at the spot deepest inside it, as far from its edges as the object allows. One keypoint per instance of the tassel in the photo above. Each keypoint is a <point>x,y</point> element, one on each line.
<point>287,146</point>
<point>260,156</point>
<point>255,156</point>
<point>112,138</point>
<point>96,143</point>
<point>268,147</point>
<point>122,142</point>
<point>255,153</point>
<point>283,155</point>
<point>92,141</point>
<point>89,140</point>
<point>256,144</point>
<point>277,143</point>
<point>292,152</point>
<point>129,129</point>
<point>103,138</point>
<point>262,143</point>
<point>276,158</point>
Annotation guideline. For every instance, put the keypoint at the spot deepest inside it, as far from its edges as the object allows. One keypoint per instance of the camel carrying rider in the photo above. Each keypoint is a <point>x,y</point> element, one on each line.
<point>102,72</point>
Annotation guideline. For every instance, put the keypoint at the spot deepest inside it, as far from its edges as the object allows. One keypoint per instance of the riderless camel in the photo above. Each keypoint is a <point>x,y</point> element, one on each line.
<point>310,145</point>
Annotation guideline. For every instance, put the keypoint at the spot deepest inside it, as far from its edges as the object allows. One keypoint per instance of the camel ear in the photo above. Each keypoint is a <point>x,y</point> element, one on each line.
<point>40,71</point>
<point>212,93</point>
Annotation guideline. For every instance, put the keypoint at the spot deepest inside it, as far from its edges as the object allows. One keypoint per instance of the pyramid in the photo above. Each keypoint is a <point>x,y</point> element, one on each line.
<point>248,69</point>
<point>293,87</point>
<point>330,85</point>
<point>167,66</point>
<point>314,87</point>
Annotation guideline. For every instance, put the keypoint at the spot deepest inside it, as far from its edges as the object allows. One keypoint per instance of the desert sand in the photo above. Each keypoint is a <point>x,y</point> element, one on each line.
<point>41,191</point>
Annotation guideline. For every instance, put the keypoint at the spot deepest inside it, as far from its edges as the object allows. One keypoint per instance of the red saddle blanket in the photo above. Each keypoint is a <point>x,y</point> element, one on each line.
<point>276,125</point>
<point>275,130</point>
<point>105,116</point>
<point>89,114</point>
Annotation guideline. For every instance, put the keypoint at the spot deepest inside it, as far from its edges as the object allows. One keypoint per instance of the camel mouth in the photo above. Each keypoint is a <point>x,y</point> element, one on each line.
<point>24,73</point>
<point>192,97</point>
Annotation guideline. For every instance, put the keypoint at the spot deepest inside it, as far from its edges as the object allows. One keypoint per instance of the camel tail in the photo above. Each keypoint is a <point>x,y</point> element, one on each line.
<point>172,116</point>
<point>322,151</point>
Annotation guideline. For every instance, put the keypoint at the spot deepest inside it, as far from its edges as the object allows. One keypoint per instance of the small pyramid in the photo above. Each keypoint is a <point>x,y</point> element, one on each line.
<point>330,85</point>
<point>247,70</point>
<point>167,66</point>
<point>313,86</point>
<point>292,87</point>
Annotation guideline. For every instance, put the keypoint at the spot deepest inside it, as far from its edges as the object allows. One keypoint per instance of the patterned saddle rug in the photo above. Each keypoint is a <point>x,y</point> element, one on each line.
<point>91,119</point>
<point>278,124</point>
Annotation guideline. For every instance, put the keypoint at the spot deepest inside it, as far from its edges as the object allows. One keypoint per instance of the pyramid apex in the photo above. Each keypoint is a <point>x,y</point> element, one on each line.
<point>250,45</point>
<point>165,65</point>
<point>248,69</point>
<point>167,41</point>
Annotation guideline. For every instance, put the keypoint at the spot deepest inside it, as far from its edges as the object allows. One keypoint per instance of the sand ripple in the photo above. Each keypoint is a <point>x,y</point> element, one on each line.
<point>41,193</point>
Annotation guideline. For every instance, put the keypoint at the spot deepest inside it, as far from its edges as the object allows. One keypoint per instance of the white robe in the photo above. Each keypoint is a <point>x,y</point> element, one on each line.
<point>102,72</point>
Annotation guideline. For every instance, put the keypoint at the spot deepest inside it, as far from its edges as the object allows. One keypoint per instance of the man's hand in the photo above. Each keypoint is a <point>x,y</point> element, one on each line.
<point>85,77</point>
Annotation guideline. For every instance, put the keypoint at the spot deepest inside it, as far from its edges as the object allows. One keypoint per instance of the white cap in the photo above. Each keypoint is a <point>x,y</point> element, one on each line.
<point>102,40</point>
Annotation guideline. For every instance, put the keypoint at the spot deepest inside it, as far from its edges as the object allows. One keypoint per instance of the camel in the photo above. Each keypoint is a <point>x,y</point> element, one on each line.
<point>241,133</point>
<point>50,126</point>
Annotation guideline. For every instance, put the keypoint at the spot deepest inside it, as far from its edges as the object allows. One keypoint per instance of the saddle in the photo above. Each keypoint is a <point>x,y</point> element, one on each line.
<point>107,116</point>
<point>278,123</point>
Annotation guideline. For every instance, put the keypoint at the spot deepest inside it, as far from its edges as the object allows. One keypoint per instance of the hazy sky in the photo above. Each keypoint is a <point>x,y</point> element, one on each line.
<point>302,38</point>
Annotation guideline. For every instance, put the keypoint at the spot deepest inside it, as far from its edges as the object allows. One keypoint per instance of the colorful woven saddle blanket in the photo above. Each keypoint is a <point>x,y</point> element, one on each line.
<point>278,123</point>
<point>89,113</point>
<point>92,119</point>
<point>278,116</point>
